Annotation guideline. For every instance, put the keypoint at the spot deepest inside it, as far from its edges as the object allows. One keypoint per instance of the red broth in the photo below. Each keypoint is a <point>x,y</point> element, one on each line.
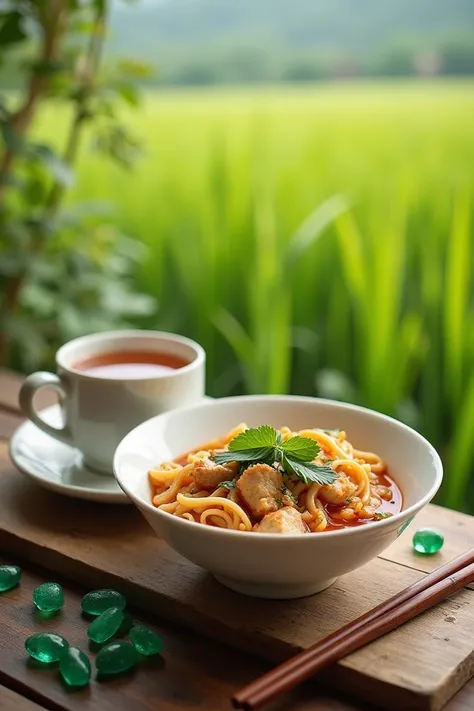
<point>130,364</point>
<point>393,506</point>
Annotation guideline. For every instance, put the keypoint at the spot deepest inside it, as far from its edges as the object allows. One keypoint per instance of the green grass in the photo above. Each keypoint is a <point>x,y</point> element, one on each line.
<point>315,240</point>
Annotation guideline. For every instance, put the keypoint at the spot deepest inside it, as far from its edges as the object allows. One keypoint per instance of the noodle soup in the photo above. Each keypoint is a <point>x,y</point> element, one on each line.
<point>276,491</point>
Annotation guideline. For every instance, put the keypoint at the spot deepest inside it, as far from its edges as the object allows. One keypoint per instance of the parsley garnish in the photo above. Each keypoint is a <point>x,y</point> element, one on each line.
<point>228,484</point>
<point>264,444</point>
<point>382,514</point>
<point>286,492</point>
<point>279,502</point>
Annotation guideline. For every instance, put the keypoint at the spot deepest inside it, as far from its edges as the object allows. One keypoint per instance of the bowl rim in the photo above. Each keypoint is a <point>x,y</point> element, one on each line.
<point>401,516</point>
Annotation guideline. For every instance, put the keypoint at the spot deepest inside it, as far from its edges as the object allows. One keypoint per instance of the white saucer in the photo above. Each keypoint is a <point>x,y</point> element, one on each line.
<point>57,466</point>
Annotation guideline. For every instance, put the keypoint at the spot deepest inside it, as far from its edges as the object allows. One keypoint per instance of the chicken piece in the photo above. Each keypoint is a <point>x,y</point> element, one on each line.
<point>260,486</point>
<point>208,475</point>
<point>285,520</point>
<point>338,492</point>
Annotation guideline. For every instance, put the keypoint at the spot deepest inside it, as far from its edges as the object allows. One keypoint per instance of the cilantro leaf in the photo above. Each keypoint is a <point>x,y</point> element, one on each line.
<point>228,484</point>
<point>264,444</point>
<point>260,454</point>
<point>382,514</point>
<point>308,472</point>
<point>254,438</point>
<point>302,448</point>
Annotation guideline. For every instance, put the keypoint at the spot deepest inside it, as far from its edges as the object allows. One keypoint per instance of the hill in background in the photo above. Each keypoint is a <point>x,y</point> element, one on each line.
<point>213,40</point>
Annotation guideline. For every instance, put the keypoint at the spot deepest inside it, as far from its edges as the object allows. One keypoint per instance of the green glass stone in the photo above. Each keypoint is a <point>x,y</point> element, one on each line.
<point>428,541</point>
<point>46,646</point>
<point>127,624</point>
<point>145,640</point>
<point>10,576</point>
<point>98,601</point>
<point>106,625</point>
<point>48,597</point>
<point>75,667</point>
<point>116,658</point>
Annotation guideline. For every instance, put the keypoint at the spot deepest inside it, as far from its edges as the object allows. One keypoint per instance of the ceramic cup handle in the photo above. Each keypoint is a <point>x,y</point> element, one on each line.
<point>34,383</point>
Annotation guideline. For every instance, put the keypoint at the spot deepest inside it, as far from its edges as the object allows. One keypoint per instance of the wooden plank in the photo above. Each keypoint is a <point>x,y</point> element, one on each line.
<point>457,529</point>
<point>10,415</point>
<point>419,668</point>
<point>193,673</point>
<point>11,701</point>
<point>8,424</point>
<point>10,384</point>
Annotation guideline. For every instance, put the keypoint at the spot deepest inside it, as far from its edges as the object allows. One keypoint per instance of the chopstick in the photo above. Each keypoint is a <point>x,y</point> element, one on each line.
<point>392,613</point>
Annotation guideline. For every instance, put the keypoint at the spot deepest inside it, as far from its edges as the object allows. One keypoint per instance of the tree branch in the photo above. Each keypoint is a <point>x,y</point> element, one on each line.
<point>52,27</point>
<point>86,73</point>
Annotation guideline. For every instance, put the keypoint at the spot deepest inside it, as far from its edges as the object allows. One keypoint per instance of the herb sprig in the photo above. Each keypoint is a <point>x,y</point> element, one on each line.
<point>265,445</point>
<point>228,484</point>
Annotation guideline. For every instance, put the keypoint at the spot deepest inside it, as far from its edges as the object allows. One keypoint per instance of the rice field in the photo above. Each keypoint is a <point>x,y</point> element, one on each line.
<point>315,240</point>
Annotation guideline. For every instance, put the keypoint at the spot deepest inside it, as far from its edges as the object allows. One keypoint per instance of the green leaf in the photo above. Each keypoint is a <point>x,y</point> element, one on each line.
<point>135,68</point>
<point>228,484</point>
<point>309,473</point>
<point>302,448</point>
<point>313,228</point>
<point>13,141</point>
<point>117,299</point>
<point>11,29</point>
<point>47,68</point>
<point>129,93</point>
<point>99,6</point>
<point>34,191</point>
<point>256,437</point>
<point>262,454</point>
<point>12,264</point>
<point>59,170</point>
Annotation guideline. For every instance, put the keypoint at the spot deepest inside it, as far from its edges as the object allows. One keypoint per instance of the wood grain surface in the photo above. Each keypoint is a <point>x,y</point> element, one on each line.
<point>191,672</point>
<point>80,540</point>
<point>423,663</point>
<point>11,701</point>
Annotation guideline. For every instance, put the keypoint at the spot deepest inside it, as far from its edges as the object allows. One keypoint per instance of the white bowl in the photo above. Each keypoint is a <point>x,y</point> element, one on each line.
<point>270,565</point>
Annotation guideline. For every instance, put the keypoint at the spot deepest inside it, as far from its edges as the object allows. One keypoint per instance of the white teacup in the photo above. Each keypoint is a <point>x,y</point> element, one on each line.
<point>98,410</point>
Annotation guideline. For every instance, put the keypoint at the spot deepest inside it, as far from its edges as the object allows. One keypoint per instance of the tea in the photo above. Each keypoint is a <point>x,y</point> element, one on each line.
<point>130,364</point>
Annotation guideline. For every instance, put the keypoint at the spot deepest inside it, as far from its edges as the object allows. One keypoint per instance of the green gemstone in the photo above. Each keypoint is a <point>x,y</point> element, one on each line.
<point>9,577</point>
<point>48,597</point>
<point>127,624</point>
<point>428,541</point>
<point>98,601</point>
<point>46,646</point>
<point>75,667</point>
<point>145,640</point>
<point>116,658</point>
<point>106,625</point>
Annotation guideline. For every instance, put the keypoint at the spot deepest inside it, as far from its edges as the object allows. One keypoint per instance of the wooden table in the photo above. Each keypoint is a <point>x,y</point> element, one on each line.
<point>197,673</point>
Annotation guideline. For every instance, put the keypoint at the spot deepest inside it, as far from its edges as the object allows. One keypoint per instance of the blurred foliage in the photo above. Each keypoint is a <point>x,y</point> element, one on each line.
<point>64,270</point>
<point>370,299</point>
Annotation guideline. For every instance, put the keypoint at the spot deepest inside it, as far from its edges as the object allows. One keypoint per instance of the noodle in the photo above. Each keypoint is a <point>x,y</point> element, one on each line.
<point>197,489</point>
<point>210,501</point>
